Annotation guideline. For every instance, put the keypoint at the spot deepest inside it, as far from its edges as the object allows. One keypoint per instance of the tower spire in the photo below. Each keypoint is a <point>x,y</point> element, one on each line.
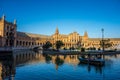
<point>85,34</point>
<point>3,17</point>
<point>57,31</point>
<point>14,21</point>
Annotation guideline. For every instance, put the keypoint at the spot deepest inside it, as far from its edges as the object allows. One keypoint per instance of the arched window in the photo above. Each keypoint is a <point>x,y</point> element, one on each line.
<point>17,42</point>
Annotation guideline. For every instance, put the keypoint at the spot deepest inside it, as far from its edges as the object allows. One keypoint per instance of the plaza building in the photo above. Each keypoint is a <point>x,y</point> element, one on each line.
<point>10,37</point>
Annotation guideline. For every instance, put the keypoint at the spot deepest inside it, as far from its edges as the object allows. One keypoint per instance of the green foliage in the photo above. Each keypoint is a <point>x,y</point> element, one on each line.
<point>58,61</point>
<point>71,48</point>
<point>91,48</point>
<point>82,49</point>
<point>78,48</point>
<point>59,44</point>
<point>47,45</point>
<point>47,57</point>
<point>99,49</point>
<point>105,43</point>
<point>64,48</point>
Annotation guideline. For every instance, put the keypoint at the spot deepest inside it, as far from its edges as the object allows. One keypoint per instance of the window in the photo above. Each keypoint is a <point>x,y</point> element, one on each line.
<point>7,34</point>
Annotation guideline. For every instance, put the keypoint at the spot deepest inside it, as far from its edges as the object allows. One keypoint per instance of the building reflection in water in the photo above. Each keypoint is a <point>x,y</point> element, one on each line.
<point>8,63</point>
<point>98,69</point>
<point>7,67</point>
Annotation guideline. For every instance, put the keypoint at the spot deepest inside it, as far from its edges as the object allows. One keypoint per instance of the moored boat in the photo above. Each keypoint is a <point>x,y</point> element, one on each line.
<point>96,61</point>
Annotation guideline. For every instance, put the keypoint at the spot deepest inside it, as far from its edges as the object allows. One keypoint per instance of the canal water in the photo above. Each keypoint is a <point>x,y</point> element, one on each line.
<point>30,65</point>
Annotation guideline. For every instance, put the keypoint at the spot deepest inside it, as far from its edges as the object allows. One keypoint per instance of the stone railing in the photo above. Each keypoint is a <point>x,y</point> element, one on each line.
<point>13,48</point>
<point>5,48</point>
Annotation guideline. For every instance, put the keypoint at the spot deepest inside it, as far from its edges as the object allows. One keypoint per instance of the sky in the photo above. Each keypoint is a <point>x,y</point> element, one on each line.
<point>43,16</point>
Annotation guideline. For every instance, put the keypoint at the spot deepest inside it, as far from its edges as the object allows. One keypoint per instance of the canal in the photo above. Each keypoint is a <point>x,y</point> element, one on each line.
<point>30,65</point>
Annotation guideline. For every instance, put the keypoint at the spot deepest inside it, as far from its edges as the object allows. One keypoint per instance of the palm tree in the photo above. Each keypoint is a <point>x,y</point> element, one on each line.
<point>59,44</point>
<point>47,45</point>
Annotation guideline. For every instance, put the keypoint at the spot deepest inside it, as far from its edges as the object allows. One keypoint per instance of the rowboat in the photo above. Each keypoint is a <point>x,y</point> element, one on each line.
<point>96,61</point>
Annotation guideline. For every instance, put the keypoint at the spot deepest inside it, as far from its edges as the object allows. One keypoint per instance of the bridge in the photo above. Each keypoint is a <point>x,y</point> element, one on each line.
<point>37,47</point>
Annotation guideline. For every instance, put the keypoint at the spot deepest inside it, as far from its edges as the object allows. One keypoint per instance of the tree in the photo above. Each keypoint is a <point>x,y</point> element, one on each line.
<point>59,61</point>
<point>72,48</point>
<point>82,49</point>
<point>58,44</point>
<point>48,58</point>
<point>47,45</point>
<point>105,43</point>
<point>99,49</point>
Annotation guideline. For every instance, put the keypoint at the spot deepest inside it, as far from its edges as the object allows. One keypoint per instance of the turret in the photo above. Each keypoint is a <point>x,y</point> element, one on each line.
<point>15,21</point>
<point>57,31</point>
<point>85,35</point>
<point>3,17</point>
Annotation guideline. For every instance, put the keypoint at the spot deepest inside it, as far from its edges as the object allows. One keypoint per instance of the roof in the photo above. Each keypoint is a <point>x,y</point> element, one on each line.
<point>94,38</point>
<point>24,34</point>
<point>74,33</point>
<point>63,35</point>
<point>118,39</point>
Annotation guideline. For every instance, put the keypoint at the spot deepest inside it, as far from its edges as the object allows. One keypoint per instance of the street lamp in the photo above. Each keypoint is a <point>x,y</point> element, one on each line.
<point>102,39</point>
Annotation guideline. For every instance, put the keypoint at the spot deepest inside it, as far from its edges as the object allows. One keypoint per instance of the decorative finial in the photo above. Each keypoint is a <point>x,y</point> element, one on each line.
<point>3,17</point>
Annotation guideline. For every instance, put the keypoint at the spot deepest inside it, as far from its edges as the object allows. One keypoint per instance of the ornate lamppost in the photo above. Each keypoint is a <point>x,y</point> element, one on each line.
<point>102,39</point>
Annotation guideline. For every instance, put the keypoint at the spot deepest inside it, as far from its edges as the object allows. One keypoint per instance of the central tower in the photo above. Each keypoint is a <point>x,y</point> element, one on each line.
<point>57,31</point>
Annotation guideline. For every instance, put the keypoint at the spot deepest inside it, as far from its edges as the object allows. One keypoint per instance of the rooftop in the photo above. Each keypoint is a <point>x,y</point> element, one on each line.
<point>24,34</point>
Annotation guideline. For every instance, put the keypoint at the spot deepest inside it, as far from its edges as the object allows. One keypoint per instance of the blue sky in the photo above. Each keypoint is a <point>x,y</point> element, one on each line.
<point>42,16</point>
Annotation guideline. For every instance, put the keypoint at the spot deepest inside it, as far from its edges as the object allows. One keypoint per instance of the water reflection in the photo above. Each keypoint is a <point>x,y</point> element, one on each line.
<point>7,67</point>
<point>98,69</point>
<point>48,58</point>
<point>8,63</point>
<point>58,62</point>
